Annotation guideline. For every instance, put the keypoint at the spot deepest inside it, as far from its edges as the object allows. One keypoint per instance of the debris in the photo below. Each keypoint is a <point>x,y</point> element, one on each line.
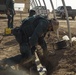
<point>65,38</point>
<point>73,39</point>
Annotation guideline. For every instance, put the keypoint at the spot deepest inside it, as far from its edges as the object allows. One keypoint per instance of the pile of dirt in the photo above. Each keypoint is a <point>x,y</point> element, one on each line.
<point>64,61</point>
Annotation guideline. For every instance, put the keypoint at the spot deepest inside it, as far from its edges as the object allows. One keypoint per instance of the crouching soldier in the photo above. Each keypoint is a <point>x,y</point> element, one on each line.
<point>31,33</point>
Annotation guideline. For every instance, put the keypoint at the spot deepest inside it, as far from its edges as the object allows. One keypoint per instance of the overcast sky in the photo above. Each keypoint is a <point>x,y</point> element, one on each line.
<point>57,3</point>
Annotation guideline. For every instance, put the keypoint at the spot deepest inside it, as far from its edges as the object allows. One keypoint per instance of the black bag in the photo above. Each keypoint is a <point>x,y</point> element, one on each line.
<point>18,34</point>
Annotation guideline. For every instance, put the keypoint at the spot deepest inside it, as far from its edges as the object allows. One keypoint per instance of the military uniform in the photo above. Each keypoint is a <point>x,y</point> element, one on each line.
<point>31,33</point>
<point>10,12</point>
<point>32,12</point>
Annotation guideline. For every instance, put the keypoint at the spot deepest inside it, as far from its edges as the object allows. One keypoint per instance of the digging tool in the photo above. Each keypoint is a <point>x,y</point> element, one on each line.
<point>40,68</point>
<point>62,43</point>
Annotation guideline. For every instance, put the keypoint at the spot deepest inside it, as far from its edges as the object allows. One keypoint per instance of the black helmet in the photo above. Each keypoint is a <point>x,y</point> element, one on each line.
<point>32,12</point>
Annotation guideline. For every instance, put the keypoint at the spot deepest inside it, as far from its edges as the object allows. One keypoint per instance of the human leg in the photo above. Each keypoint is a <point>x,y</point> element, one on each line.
<point>26,54</point>
<point>33,50</point>
<point>8,23</point>
<point>25,50</point>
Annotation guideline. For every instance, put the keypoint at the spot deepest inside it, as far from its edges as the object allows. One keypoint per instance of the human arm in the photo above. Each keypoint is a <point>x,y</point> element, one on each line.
<point>42,43</point>
<point>38,32</point>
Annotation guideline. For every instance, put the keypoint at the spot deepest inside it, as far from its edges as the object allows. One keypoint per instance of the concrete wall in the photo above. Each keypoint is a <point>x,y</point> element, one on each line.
<point>27,4</point>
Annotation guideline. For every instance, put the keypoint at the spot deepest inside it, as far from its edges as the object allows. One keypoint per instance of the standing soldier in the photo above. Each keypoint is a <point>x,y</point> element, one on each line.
<point>10,12</point>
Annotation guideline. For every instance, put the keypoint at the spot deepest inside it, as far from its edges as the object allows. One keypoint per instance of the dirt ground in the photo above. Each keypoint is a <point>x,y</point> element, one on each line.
<point>62,63</point>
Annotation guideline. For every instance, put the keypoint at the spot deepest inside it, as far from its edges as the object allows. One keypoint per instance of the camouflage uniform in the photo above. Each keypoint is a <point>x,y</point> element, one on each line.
<point>10,12</point>
<point>31,33</point>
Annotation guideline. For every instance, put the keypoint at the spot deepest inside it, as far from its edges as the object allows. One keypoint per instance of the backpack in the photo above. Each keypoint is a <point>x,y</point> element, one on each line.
<point>18,35</point>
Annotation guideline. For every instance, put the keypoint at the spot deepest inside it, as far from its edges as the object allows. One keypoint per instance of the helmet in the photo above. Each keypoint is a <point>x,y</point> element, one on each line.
<point>32,12</point>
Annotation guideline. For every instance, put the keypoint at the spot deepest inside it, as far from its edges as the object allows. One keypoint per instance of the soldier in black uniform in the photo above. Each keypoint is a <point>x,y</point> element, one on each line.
<point>10,12</point>
<point>32,33</point>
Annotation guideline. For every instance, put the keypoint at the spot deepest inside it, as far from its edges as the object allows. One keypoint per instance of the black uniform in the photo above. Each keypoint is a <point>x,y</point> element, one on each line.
<point>10,12</point>
<point>30,33</point>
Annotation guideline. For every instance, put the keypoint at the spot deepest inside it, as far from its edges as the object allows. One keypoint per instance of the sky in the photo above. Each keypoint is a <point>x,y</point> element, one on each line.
<point>57,3</point>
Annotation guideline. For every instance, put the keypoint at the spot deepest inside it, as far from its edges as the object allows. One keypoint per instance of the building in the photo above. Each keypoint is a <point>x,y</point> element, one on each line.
<point>27,4</point>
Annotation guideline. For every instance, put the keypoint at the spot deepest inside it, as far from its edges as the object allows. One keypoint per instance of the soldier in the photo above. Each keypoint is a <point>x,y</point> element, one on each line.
<point>32,32</point>
<point>10,12</point>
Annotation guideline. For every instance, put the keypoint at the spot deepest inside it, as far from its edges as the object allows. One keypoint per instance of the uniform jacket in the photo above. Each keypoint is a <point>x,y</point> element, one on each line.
<point>33,30</point>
